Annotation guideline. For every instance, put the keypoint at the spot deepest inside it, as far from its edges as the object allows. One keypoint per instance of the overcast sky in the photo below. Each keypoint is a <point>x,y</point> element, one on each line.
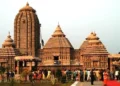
<point>77,18</point>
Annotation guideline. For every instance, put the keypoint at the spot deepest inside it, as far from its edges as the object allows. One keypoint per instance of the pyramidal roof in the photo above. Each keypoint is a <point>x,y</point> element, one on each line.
<point>58,40</point>
<point>8,42</point>
<point>58,32</point>
<point>92,45</point>
<point>8,48</point>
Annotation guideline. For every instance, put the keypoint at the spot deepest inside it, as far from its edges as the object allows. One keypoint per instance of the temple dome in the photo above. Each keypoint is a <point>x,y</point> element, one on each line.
<point>27,31</point>
<point>92,45</point>
<point>58,40</point>
<point>8,42</point>
<point>27,8</point>
<point>58,32</point>
<point>92,36</point>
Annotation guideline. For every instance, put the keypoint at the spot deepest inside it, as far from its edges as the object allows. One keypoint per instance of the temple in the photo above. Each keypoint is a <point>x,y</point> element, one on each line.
<point>27,31</point>
<point>93,53</point>
<point>25,52</point>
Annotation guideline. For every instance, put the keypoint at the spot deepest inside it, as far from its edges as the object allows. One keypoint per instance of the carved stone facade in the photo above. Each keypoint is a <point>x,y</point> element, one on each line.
<point>27,31</point>
<point>58,50</point>
<point>93,53</point>
<point>7,54</point>
<point>114,61</point>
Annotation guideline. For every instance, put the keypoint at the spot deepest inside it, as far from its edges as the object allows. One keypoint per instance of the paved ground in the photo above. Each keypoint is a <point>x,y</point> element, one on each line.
<point>96,83</point>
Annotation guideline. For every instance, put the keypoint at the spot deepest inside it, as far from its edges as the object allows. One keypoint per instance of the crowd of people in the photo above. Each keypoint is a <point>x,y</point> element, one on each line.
<point>8,76</point>
<point>74,75</point>
<point>77,75</point>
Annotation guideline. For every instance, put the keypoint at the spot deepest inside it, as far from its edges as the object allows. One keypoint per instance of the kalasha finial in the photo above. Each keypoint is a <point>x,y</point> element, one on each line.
<point>27,4</point>
<point>9,33</point>
<point>92,32</point>
<point>58,24</point>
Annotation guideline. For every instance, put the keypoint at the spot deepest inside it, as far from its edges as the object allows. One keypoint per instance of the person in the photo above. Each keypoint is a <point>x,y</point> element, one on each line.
<point>48,75</point>
<point>12,74</point>
<point>92,77</point>
<point>74,75</point>
<point>45,73</point>
<point>85,75</point>
<point>105,77</point>
<point>8,76</point>
<point>30,76</point>
<point>116,74</point>
<point>88,77</point>
<point>81,75</point>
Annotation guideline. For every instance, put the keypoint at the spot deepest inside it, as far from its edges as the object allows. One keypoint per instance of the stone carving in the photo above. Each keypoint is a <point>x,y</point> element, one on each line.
<point>95,58</point>
<point>27,31</point>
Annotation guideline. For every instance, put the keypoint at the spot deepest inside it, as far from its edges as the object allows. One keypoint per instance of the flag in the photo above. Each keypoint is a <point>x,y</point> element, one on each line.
<point>42,42</point>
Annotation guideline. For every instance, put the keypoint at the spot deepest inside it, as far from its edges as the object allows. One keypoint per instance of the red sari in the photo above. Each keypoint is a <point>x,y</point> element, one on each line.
<point>105,76</point>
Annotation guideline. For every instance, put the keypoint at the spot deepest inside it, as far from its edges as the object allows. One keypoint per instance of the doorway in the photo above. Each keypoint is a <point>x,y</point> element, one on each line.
<point>56,59</point>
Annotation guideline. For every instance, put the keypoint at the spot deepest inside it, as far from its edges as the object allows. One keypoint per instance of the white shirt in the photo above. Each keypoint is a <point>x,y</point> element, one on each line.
<point>116,73</point>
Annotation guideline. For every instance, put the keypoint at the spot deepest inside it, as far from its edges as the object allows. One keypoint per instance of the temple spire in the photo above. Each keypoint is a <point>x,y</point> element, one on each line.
<point>58,32</point>
<point>27,4</point>
<point>58,24</point>
<point>9,33</point>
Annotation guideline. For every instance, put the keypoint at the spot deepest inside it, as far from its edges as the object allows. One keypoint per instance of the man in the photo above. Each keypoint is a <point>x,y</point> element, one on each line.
<point>92,77</point>
<point>8,76</point>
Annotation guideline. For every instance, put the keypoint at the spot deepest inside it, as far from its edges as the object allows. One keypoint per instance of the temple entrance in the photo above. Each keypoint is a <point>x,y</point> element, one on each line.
<point>28,63</point>
<point>56,60</point>
<point>56,57</point>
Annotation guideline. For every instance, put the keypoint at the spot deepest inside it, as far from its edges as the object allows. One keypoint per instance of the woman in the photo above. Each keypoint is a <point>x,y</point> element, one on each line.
<point>105,78</point>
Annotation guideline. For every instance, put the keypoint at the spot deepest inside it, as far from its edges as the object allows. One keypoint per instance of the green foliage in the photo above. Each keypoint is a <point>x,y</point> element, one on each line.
<point>34,68</point>
<point>12,82</point>
<point>58,74</point>
<point>2,70</point>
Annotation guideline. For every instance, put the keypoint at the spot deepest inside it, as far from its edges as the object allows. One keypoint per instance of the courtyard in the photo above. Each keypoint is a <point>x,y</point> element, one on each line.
<point>96,83</point>
<point>48,83</point>
<point>37,83</point>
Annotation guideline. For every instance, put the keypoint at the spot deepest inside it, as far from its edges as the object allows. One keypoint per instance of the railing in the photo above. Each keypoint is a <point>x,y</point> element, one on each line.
<point>57,62</point>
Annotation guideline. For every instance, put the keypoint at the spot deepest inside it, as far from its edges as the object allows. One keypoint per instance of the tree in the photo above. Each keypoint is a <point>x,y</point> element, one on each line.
<point>2,71</point>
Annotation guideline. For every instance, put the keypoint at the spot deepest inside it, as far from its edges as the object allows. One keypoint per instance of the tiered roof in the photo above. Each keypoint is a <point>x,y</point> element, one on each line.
<point>8,52</point>
<point>58,40</point>
<point>8,48</point>
<point>8,42</point>
<point>92,45</point>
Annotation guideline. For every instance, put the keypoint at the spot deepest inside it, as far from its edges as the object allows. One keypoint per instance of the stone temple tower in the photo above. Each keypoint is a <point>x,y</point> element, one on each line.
<point>27,31</point>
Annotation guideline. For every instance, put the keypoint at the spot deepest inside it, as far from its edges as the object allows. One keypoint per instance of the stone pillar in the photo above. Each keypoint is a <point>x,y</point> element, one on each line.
<point>111,66</point>
<point>98,64</point>
<point>17,67</point>
<point>31,66</point>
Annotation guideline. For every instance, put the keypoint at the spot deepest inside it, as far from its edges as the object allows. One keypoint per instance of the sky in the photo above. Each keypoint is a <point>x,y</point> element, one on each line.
<point>77,18</point>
